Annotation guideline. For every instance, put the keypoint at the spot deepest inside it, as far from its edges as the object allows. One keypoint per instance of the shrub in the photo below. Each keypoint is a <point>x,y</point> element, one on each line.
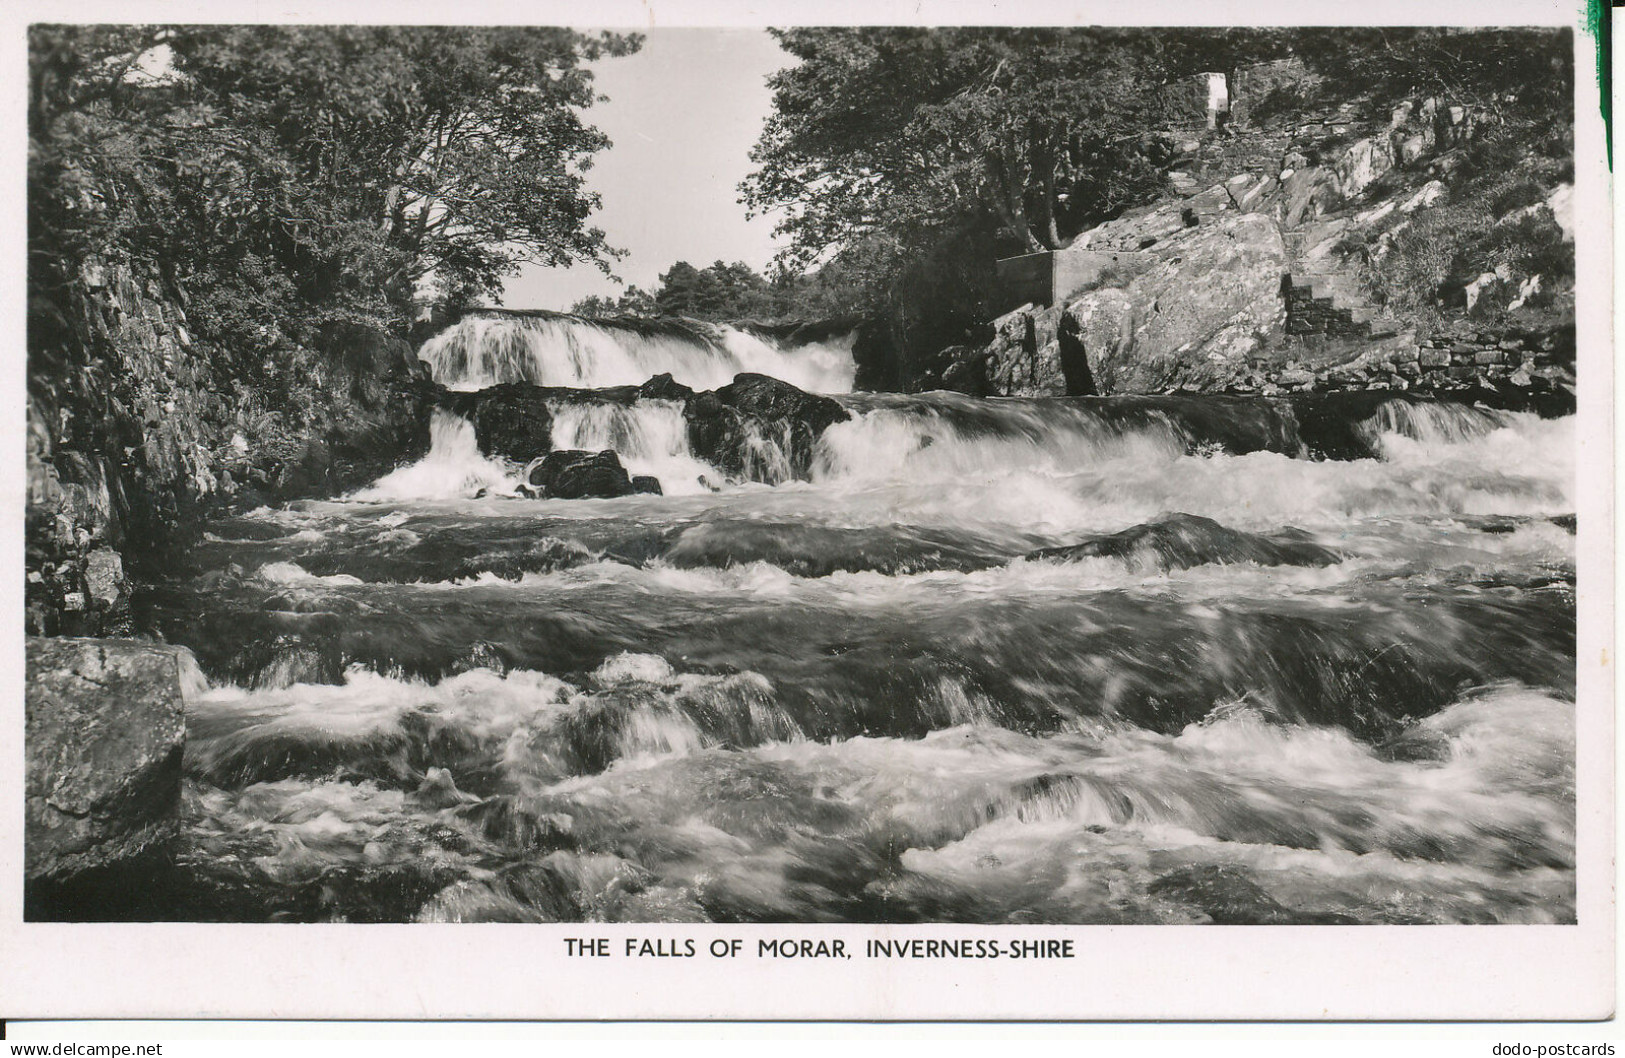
<point>1423,255</point>
<point>1520,194</point>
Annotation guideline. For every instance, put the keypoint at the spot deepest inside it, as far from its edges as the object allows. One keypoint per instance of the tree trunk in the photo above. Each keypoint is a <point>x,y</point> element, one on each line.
<point>1052,228</point>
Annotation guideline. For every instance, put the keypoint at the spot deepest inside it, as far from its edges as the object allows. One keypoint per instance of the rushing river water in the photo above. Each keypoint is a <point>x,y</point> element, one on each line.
<point>996,661</point>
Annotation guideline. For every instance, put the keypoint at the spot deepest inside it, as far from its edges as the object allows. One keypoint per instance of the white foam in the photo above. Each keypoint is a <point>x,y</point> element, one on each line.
<point>454,467</point>
<point>483,351</point>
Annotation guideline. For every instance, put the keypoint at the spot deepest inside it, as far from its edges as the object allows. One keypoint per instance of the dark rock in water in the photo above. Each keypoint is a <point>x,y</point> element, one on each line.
<point>576,475</point>
<point>759,428</point>
<point>483,655</point>
<point>768,398</point>
<point>105,733</point>
<point>1565,521</point>
<point>1180,541</point>
<point>1227,896</point>
<point>664,387</point>
<point>1332,425</point>
<point>647,485</point>
<point>511,420</point>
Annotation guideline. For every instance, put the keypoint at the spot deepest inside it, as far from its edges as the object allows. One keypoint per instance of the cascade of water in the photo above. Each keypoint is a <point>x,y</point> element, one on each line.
<point>487,350</point>
<point>650,437</point>
<point>945,438</point>
<point>1430,423</point>
<point>454,467</point>
<point>820,367</point>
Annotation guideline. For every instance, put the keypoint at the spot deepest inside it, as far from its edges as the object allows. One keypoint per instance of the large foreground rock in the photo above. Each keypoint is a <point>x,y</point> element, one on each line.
<point>1181,541</point>
<point>105,731</point>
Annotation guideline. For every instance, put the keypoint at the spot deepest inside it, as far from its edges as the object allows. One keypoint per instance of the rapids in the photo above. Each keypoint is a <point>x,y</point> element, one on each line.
<point>1103,661</point>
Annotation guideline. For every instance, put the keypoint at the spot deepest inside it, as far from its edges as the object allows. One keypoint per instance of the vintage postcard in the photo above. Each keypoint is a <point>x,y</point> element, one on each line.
<point>890,512</point>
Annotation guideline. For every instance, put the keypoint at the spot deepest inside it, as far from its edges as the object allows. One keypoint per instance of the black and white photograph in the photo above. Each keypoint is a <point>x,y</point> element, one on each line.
<point>944,481</point>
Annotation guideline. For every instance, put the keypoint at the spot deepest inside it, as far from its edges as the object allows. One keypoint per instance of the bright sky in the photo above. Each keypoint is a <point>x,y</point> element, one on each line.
<point>683,114</point>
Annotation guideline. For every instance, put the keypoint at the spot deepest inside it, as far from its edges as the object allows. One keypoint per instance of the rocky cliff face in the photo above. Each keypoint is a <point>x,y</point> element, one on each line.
<point>131,432</point>
<point>1198,294</point>
<point>1259,279</point>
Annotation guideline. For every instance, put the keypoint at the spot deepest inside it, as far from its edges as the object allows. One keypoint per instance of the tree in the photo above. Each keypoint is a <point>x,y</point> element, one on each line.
<point>914,157</point>
<point>295,180</point>
<point>464,148</point>
<point>907,131</point>
<point>316,172</point>
<point>634,301</point>
<point>1512,73</point>
<point>718,292</point>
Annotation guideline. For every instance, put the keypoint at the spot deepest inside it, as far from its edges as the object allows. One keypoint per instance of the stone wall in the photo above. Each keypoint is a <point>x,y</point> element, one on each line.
<point>1508,366</point>
<point>1314,310</point>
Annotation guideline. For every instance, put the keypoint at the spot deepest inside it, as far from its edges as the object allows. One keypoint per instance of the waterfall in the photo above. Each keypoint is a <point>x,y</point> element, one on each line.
<point>650,437</point>
<point>558,350</point>
<point>454,467</point>
<point>1428,424</point>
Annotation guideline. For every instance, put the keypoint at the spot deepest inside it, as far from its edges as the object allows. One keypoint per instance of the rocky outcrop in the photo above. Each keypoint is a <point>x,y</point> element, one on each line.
<point>84,593</point>
<point>1025,357</point>
<point>511,421</point>
<point>759,428</point>
<point>133,434</point>
<point>1194,306</point>
<point>1199,312</point>
<point>105,731</point>
<point>1255,275</point>
<point>576,475</point>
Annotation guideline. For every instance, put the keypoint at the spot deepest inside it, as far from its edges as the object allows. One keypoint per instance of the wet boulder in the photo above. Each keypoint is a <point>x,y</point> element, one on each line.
<point>512,420</point>
<point>759,428</point>
<point>645,484</point>
<point>664,387</point>
<point>577,475</point>
<point>768,398</point>
<point>1180,541</point>
<point>105,730</point>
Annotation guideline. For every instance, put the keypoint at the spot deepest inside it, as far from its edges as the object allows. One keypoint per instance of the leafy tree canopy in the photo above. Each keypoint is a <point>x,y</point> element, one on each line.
<point>634,301</point>
<point>906,131</point>
<point>295,176</point>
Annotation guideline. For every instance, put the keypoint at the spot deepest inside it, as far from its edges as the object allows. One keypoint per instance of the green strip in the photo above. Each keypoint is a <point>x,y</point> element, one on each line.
<point>1598,18</point>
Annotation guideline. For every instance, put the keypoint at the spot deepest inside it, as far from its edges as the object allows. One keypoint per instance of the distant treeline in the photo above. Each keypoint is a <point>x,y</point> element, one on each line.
<point>723,292</point>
